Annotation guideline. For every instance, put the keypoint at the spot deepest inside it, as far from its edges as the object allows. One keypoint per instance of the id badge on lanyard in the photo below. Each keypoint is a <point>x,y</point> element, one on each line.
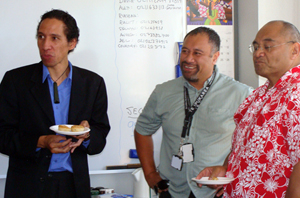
<point>186,150</point>
<point>185,155</point>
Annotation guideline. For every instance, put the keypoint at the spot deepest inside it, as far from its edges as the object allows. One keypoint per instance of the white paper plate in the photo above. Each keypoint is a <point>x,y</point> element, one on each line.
<point>55,129</point>
<point>220,181</point>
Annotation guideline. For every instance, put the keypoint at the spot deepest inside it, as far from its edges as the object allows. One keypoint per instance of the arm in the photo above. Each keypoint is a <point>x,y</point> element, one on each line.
<point>293,190</point>
<point>95,116</point>
<point>144,147</point>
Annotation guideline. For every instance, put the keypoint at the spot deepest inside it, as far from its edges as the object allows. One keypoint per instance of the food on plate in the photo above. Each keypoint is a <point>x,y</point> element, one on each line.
<point>77,128</point>
<point>214,178</point>
<point>63,128</point>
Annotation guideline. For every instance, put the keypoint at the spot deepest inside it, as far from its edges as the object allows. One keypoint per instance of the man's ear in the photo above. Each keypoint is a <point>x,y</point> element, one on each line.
<point>72,44</point>
<point>295,50</point>
<point>215,57</point>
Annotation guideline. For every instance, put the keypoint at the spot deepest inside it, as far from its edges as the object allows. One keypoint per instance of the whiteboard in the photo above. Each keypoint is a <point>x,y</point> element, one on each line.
<point>130,43</point>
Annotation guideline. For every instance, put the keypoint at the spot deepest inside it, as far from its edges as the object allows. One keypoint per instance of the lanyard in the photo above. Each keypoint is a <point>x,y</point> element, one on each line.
<point>190,110</point>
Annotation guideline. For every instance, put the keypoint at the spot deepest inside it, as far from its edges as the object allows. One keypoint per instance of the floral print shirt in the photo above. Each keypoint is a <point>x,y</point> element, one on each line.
<point>266,141</point>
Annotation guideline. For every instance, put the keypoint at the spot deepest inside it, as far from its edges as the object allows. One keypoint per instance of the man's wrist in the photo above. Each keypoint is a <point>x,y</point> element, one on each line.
<point>41,140</point>
<point>161,185</point>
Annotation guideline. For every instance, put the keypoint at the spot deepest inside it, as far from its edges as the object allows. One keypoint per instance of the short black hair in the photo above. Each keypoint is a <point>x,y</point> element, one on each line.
<point>213,37</point>
<point>71,29</point>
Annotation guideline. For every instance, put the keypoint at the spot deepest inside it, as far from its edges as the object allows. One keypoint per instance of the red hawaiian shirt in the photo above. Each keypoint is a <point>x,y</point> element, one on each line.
<point>266,141</point>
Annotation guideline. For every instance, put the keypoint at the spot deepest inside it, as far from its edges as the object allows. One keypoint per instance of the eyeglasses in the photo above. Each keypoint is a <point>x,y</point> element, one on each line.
<point>254,47</point>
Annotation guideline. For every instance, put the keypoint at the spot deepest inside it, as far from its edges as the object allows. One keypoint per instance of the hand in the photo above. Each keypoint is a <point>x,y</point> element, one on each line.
<point>152,179</point>
<point>211,172</point>
<point>80,138</point>
<point>55,143</point>
<point>161,186</point>
<point>85,123</point>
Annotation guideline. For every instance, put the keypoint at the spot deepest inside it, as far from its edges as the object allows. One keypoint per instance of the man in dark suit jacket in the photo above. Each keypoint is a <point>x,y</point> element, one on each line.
<point>52,92</point>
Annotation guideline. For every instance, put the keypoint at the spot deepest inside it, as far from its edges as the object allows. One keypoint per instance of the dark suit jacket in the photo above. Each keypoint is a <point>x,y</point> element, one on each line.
<point>26,114</point>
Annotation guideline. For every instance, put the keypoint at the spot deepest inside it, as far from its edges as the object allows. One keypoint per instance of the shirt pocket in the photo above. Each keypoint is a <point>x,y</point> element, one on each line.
<point>217,120</point>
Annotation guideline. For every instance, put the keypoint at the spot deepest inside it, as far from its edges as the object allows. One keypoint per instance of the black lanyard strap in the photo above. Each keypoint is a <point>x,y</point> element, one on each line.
<point>190,110</point>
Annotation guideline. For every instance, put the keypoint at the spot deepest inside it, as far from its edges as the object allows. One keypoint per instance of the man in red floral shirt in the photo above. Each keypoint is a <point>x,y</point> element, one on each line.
<point>264,158</point>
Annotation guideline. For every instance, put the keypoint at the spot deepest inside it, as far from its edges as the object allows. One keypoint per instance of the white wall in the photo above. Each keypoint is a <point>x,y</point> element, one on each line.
<point>269,10</point>
<point>286,10</point>
<point>247,28</point>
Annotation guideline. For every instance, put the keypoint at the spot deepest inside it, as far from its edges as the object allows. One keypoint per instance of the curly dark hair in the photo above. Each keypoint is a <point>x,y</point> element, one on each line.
<point>71,30</point>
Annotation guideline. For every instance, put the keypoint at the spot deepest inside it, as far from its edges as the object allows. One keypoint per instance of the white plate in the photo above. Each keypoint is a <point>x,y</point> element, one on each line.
<point>55,128</point>
<point>220,181</point>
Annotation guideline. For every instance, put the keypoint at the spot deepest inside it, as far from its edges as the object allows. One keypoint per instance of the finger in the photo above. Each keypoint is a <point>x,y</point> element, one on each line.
<point>219,187</point>
<point>200,175</point>
<point>61,149</point>
<point>64,143</point>
<point>204,173</point>
<point>220,192</point>
<point>213,175</point>
<point>66,149</point>
<point>73,146</point>
<point>85,123</point>
<point>54,145</point>
<point>51,139</point>
<point>76,144</point>
<point>73,149</point>
<point>58,138</point>
<point>86,135</point>
<point>160,191</point>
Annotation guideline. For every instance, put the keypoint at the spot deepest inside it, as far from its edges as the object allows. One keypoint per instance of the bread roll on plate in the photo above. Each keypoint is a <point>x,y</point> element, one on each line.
<point>77,128</point>
<point>63,128</point>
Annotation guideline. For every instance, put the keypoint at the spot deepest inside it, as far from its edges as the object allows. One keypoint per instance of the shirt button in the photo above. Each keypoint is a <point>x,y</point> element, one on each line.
<point>42,179</point>
<point>50,175</point>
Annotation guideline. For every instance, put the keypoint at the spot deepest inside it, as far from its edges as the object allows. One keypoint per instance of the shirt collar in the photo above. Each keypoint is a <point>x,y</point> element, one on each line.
<point>286,78</point>
<point>46,73</point>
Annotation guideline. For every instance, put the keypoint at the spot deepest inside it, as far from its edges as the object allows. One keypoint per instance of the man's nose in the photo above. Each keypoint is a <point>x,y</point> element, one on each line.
<point>46,44</point>
<point>189,57</point>
<point>259,51</point>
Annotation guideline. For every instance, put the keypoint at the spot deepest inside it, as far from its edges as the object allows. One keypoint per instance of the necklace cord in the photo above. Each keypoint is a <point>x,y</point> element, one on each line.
<point>56,96</point>
<point>60,75</point>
